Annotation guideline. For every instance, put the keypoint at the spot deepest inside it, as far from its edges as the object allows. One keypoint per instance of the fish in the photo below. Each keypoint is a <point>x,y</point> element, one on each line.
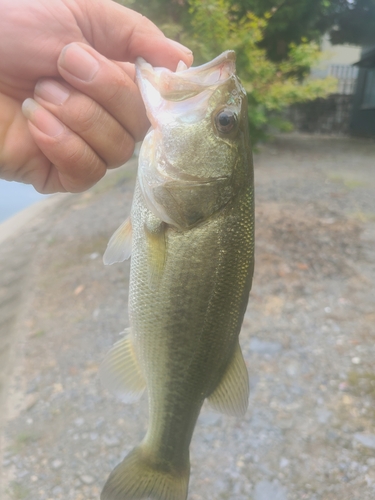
<point>190,236</point>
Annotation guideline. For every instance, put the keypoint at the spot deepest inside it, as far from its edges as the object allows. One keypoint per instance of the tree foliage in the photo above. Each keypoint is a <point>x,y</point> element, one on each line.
<point>270,85</point>
<point>347,21</point>
<point>210,27</point>
<point>353,22</point>
<point>289,22</point>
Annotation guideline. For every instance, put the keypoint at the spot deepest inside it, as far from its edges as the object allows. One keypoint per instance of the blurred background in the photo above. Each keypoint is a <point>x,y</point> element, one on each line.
<point>307,65</point>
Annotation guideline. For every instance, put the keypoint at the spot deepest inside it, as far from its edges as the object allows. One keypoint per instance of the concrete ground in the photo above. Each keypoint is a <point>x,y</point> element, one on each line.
<point>308,339</point>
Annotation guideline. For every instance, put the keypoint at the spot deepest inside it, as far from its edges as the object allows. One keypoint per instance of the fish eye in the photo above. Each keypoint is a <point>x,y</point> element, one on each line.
<point>225,121</point>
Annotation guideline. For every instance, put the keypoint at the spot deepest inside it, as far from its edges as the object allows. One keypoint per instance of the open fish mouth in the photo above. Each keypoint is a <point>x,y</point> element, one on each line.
<point>185,82</point>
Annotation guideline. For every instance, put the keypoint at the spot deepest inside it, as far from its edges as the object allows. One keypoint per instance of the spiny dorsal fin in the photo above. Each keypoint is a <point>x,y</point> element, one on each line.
<point>231,396</point>
<point>120,372</point>
<point>119,247</point>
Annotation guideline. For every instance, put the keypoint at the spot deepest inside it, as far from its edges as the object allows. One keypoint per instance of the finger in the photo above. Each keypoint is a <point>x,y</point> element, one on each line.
<point>106,83</point>
<point>88,120</point>
<point>77,166</point>
<point>20,158</point>
<point>123,34</point>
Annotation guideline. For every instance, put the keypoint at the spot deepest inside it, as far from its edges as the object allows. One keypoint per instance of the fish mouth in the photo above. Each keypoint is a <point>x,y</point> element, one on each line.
<point>213,72</point>
<point>185,82</point>
<point>163,90</point>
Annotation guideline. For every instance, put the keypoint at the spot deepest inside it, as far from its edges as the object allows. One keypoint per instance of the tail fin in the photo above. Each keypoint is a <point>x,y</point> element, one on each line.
<point>138,478</point>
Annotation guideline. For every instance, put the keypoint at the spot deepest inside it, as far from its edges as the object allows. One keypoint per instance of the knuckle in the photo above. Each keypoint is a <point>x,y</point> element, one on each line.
<point>83,168</point>
<point>119,91</point>
<point>86,116</point>
<point>124,151</point>
<point>143,126</point>
<point>78,155</point>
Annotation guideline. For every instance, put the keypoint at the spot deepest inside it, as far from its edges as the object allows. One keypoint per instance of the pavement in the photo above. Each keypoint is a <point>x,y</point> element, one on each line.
<point>308,339</point>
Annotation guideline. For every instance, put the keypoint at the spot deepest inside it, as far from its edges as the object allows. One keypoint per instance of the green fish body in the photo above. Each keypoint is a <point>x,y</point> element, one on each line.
<point>191,239</point>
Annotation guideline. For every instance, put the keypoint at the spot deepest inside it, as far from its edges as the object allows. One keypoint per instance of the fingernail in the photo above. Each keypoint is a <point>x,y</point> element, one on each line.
<point>78,62</point>
<point>52,91</point>
<point>179,46</point>
<point>41,118</point>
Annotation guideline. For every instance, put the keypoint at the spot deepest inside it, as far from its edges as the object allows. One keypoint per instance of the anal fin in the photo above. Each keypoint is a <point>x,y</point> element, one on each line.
<point>120,372</point>
<point>231,396</point>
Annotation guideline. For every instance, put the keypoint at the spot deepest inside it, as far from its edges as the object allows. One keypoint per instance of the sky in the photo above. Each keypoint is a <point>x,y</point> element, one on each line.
<point>15,197</point>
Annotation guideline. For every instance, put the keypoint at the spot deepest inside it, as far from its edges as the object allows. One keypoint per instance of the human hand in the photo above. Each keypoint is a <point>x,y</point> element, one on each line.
<point>87,112</point>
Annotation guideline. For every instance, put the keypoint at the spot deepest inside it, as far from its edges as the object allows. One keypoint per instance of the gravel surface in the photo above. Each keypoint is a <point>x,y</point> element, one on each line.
<point>308,339</point>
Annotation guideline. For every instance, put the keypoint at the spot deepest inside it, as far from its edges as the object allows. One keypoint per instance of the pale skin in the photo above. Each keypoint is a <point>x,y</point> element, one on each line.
<point>70,108</point>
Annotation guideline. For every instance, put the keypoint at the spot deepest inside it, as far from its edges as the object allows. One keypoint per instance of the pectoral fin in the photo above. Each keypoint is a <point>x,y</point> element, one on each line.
<point>120,372</point>
<point>119,247</point>
<point>156,248</point>
<point>231,396</point>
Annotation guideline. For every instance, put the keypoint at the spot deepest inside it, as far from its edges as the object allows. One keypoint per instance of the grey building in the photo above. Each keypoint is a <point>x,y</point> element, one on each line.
<point>363,114</point>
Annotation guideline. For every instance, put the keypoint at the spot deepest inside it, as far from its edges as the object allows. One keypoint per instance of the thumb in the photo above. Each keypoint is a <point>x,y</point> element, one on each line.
<point>122,34</point>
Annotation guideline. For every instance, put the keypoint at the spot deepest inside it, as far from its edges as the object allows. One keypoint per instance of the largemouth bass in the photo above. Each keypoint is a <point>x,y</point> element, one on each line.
<point>191,239</point>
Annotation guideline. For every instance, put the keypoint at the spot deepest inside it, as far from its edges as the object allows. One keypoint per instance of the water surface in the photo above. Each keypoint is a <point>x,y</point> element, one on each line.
<point>15,196</point>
